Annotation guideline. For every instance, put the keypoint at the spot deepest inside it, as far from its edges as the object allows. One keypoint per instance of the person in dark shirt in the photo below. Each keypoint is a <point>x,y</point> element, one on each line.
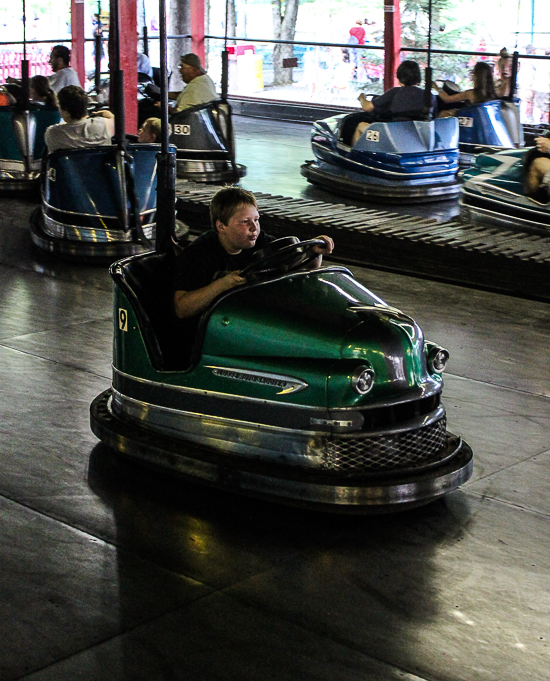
<point>536,168</point>
<point>402,101</point>
<point>212,263</point>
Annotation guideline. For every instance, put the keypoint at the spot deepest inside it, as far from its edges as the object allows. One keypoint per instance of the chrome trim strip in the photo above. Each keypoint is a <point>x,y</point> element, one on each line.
<point>244,438</point>
<point>11,166</point>
<point>490,192</point>
<point>72,212</point>
<point>138,406</point>
<point>411,424</point>
<point>289,384</point>
<point>90,215</point>
<point>240,438</point>
<point>212,393</point>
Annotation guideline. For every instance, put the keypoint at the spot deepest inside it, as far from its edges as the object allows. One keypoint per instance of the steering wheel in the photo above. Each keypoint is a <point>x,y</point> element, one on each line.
<point>450,87</point>
<point>282,255</point>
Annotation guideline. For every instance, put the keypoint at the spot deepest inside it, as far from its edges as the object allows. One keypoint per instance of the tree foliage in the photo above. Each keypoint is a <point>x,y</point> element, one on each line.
<point>414,33</point>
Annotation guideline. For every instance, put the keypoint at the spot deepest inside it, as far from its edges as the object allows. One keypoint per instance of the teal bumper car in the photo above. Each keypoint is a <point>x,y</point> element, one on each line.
<point>303,387</point>
<point>492,194</point>
<point>22,145</point>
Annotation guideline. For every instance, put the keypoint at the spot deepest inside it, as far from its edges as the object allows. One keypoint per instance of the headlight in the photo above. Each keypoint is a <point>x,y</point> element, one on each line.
<point>437,360</point>
<point>362,380</point>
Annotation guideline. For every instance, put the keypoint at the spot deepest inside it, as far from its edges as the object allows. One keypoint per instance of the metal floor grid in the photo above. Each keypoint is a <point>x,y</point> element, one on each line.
<point>504,260</point>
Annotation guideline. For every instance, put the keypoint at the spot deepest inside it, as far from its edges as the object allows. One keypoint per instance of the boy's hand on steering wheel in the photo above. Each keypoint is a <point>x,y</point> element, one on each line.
<point>543,144</point>
<point>328,247</point>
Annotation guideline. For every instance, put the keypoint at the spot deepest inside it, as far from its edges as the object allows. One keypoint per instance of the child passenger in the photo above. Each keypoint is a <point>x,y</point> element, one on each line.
<point>149,133</point>
<point>78,130</point>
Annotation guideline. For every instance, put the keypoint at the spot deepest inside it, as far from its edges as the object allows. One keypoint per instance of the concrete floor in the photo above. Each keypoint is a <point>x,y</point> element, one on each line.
<point>110,572</point>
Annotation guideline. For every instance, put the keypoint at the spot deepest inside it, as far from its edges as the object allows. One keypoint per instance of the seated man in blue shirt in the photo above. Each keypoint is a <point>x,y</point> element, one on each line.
<point>403,101</point>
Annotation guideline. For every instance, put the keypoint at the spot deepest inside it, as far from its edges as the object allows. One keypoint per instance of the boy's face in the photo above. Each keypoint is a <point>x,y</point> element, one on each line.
<point>146,135</point>
<point>241,231</point>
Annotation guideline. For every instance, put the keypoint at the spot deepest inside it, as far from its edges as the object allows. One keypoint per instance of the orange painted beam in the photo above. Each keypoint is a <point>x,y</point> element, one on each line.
<point>127,31</point>
<point>392,42</point>
<point>77,36</point>
<point>197,27</point>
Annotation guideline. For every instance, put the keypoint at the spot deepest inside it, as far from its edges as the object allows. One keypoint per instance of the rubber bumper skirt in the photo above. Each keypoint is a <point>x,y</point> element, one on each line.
<point>18,186</point>
<point>383,193</point>
<point>95,251</point>
<point>214,172</point>
<point>377,493</point>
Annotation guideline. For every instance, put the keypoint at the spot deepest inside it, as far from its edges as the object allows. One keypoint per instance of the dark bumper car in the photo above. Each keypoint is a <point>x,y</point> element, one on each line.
<point>98,203</point>
<point>22,145</point>
<point>492,194</point>
<point>400,161</point>
<point>205,146</point>
<point>303,387</point>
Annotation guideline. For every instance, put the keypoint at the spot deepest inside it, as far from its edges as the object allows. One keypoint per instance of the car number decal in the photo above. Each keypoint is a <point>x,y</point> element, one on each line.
<point>373,135</point>
<point>182,129</point>
<point>465,122</point>
<point>122,319</point>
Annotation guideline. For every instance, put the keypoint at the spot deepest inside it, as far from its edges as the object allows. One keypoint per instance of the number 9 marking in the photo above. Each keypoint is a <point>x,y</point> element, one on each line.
<point>122,319</point>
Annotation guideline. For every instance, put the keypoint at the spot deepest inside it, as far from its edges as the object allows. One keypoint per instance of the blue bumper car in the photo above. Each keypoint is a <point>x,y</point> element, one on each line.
<point>399,161</point>
<point>22,145</point>
<point>492,194</point>
<point>205,145</point>
<point>98,203</point>
<point>491,126</point>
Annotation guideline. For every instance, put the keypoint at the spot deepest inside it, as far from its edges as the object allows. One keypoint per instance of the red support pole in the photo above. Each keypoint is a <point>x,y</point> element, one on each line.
<point>392,42</point>
<point>128,60</point>
<point>197,27</point>
<point>77,34</point>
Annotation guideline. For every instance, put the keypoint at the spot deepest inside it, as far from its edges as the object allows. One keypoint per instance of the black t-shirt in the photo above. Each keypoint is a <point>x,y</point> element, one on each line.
<point>201,263</point>
<point>401,100</point>
<point>206,260</point>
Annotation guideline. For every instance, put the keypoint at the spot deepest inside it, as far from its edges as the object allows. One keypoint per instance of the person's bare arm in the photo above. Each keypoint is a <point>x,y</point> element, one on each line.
<point>366,105</point>
<point>102,113</point>
<point>466,96</point>
<point>172,108</point>
<point>543,144</point>
<point>191,303</point>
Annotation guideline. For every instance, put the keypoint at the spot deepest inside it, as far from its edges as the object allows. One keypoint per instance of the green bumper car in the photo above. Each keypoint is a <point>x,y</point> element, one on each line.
<point>302,387</point>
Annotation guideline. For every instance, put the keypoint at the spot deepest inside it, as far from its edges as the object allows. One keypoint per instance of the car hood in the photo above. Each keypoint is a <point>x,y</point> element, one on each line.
<point>322,315</point>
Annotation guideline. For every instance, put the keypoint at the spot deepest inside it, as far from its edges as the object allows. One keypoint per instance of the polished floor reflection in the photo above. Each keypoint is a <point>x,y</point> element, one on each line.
<point>113,572</point>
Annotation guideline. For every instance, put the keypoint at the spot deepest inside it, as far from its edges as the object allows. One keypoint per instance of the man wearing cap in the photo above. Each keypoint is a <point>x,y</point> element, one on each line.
<point>199,87</point>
